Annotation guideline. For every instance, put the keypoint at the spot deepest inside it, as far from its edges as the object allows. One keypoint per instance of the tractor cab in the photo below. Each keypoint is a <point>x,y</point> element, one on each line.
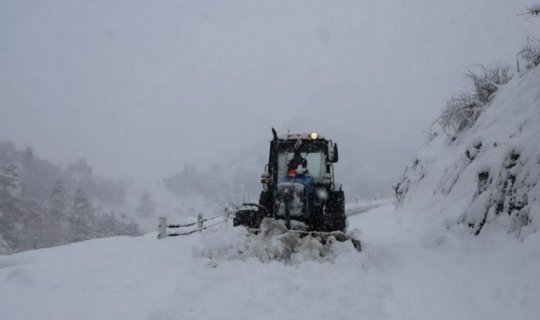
<point>317,153</point>
<point>298,185</point>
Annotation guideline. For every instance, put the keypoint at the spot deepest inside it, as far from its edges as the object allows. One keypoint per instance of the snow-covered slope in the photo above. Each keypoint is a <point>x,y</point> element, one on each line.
<point>410,269</point>
<point>488,176</point>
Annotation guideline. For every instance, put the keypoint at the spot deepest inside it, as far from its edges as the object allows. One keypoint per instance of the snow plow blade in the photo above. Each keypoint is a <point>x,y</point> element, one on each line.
<point>338,235</point>
<point>273,227</point>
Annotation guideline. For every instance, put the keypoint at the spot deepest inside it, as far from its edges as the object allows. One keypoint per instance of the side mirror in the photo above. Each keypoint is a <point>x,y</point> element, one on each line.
<point>335,157</point>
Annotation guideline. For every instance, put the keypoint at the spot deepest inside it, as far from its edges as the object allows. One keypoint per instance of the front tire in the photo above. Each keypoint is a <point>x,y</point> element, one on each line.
<point>266,200</point>
<point>334,213</point>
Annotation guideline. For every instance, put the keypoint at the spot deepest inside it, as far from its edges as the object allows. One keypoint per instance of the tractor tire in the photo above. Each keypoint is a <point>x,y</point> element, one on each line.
<point>266,200</point>
<point>248,218</point>
<point>334,213</point>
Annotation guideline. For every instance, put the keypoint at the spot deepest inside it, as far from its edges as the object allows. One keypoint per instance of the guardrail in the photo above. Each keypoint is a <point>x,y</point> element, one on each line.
<point>164,227</point>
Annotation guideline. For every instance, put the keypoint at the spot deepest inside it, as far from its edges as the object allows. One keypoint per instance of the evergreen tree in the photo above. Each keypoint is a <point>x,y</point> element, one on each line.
<point>4,247</point>
<point>57,200</point>
<point>58,227</point>
<point>81,216</point>
<point>9,179</point>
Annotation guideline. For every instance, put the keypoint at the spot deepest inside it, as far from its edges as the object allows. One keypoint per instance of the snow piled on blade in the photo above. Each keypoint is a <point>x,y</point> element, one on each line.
<point>273,242</point>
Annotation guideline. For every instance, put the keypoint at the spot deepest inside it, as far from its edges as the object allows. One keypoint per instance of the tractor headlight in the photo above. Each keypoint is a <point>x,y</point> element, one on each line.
<point>265,178</point>
<point>314,136</point>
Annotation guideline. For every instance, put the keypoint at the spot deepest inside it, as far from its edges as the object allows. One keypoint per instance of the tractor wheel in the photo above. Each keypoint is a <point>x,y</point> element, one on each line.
<point>267,200</point>
<point>334,213</point>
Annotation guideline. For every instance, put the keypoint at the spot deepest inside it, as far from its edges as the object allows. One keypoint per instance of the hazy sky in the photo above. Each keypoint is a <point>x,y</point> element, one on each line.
<point>141,88</point>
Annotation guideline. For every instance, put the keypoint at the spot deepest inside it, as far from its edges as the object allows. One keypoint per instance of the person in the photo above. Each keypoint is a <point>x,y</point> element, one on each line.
<point>297,166</point>
<point>298,174</point>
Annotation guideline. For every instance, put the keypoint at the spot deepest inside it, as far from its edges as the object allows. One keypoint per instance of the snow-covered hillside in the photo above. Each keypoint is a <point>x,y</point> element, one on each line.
<point>487,176</point>
<point>411,269</point>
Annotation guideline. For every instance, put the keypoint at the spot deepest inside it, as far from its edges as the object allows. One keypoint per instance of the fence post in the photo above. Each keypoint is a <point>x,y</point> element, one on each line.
<point>162,229</point>
<point>200,222</point>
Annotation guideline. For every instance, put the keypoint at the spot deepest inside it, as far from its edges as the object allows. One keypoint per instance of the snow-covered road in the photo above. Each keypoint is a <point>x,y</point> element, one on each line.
<point>412,268</point>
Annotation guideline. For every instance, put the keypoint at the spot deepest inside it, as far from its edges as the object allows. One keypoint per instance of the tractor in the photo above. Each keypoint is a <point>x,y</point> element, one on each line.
<point>299,188</point>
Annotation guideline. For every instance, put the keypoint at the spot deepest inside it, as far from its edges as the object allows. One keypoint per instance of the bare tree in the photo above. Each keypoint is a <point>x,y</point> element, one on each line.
<point>81,215</point>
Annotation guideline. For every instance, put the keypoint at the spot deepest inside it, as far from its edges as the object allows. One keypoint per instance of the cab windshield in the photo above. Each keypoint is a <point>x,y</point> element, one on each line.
<point>315,163</point>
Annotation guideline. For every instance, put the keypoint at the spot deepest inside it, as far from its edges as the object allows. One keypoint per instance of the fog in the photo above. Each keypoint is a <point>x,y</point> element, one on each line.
<point>143,88</point>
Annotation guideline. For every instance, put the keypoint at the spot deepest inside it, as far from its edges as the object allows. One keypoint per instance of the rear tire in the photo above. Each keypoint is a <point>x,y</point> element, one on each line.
<point>267,201</point>
<point>334,213</point>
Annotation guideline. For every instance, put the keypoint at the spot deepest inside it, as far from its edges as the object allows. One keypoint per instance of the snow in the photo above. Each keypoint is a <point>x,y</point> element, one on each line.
<point>412,268</point>
<point>363,205</point>
<point>488,177</point>
<point>418,262</point>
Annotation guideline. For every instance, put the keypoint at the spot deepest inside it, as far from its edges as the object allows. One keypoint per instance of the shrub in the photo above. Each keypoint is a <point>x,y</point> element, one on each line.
<point>487,81</point>
<point>530,54</point>
<point>461,112</point>
<point>463,109</point>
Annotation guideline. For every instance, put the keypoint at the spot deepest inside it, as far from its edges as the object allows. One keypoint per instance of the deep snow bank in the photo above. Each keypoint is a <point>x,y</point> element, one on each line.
<point>488,176</point>
<point>410,269</point>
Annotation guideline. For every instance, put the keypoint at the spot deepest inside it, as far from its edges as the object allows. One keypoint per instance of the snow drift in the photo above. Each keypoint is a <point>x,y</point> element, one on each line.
<point>487,176</point>
<point>411,269</point>
<point>273,243</point>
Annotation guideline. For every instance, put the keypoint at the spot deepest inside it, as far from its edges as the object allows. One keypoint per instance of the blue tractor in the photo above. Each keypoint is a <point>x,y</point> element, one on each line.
<point>298,187</point>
